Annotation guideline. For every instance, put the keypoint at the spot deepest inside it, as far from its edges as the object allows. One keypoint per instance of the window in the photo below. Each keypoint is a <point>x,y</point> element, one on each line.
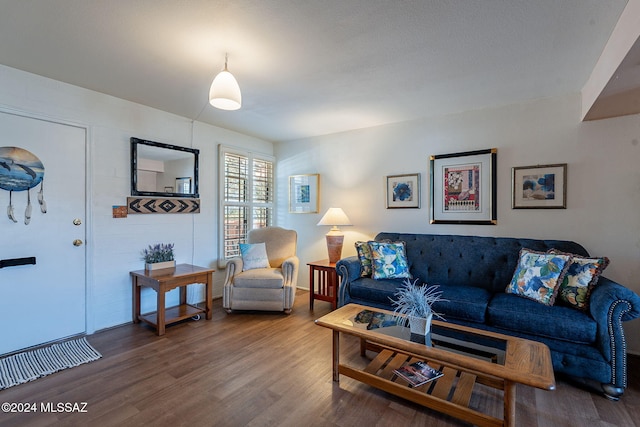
<point>247,196</point>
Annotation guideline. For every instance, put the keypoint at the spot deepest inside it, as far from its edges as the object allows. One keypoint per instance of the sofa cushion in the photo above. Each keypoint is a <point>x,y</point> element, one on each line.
<point>463,302</point>
<point>268,278</point>
<point>254,255</point>
<point>512,313</point>
<point>538,275</point>
<point>376,291</point>
<point>389,260</point>
<point>581,277</point>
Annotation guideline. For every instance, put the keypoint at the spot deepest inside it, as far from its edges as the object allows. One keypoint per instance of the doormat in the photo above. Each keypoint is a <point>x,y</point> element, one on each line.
<point>33,364</point>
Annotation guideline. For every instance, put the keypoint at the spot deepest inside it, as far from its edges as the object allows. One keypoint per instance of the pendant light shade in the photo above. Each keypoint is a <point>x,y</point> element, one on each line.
<point>225,92</point>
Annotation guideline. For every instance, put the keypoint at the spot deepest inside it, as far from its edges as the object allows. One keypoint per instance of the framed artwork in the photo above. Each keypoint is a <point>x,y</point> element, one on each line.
<point>403,191</point>
<point>539,187</point>
<point>463,188</point>
<point>304,193</point>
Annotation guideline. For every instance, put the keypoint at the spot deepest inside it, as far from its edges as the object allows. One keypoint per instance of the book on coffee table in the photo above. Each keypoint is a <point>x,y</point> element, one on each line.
<point>418,373</point>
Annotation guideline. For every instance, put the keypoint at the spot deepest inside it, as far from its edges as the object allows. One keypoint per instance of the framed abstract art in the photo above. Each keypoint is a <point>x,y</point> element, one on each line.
<point>463,188</point>
<point>539,187</point>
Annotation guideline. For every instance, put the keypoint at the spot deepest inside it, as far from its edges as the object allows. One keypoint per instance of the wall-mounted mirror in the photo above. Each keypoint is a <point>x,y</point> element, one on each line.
<point>163,170</point>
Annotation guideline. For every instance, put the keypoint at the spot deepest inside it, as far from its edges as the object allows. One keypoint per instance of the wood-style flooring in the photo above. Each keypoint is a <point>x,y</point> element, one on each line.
<point>266,369</point>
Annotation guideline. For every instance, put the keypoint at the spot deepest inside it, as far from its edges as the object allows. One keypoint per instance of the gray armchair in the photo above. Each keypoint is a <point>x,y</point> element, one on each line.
<point>267,289</point>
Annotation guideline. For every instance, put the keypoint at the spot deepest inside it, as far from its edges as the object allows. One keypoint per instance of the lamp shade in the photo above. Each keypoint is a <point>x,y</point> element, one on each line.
<point>225,92</point>
<point>335,217</point>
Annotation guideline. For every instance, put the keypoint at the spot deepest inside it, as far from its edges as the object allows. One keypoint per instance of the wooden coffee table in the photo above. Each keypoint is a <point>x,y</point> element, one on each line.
<point>469,357</point>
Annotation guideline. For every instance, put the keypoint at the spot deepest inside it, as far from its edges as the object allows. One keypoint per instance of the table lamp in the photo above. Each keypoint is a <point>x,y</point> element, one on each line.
<point>334,217</point>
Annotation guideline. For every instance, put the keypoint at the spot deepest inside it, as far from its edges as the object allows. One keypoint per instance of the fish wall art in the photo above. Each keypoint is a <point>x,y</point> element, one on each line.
<point>21,170</point>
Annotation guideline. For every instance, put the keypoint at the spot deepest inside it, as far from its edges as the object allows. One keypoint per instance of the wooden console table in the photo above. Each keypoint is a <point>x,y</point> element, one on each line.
<point>165,280</point>
<point>327,283</point>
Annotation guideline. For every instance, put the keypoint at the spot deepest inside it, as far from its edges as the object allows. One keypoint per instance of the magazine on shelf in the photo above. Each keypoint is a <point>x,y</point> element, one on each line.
<point>418,373</point>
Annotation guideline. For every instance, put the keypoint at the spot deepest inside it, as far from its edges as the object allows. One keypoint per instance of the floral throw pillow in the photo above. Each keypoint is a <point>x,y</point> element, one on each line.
<point>364,255</point>
<point>254,255</point>
<point>389,261</point>
<point>582,276</point>
<point>538,275</point>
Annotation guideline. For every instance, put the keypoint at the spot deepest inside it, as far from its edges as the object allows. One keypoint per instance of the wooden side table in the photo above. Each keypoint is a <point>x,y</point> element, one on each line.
<point>327,282</point>
<point>163,281</point>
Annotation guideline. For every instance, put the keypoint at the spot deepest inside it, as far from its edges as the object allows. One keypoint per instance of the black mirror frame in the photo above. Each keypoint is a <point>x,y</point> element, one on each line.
<point>134,168</point>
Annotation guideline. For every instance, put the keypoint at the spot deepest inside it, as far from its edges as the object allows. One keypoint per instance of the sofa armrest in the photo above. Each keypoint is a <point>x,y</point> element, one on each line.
<point>610,304</point>
<point>290,268</point>
<point>348,270</point>
<point>607,294</point>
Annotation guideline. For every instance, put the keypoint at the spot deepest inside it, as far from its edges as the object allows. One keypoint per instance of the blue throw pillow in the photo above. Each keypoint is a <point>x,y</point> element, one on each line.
<point>389,261</point>
<point>254,255</point>
<point>538,275</point>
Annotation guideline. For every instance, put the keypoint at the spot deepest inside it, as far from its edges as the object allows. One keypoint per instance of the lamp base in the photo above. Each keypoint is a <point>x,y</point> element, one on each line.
<point>334,247</point>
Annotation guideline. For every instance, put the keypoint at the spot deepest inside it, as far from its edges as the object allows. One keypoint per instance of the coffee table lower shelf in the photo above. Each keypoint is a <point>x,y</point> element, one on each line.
<point>449,394</point>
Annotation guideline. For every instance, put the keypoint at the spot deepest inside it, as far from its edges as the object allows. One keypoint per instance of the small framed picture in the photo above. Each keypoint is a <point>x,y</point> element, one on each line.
<point>304,193</point>
<point>539,187</point>
<point>463,187</point>
<point>403,191</point>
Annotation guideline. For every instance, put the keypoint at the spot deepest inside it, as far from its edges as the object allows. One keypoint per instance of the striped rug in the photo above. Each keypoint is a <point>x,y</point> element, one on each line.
<point>33,364</point>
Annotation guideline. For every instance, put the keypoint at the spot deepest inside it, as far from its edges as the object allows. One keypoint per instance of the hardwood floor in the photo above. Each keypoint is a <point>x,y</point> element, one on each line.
<point>266,369</point>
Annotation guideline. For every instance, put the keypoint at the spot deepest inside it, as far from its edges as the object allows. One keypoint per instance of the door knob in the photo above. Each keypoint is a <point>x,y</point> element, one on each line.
<point>77,242</point>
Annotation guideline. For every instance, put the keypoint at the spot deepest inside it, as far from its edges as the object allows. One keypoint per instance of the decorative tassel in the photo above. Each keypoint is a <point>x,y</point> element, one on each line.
<point>43,204</point>
<point>10,212</point>
<point>27,212</point>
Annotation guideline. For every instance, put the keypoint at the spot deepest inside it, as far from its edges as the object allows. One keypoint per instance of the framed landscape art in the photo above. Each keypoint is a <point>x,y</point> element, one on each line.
<point>403,191</point>
<point>539,187</point>
<point>463,188</point>
<point>304,193</point>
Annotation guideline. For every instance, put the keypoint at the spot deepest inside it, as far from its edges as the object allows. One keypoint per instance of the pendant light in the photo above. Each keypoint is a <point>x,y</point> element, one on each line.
<point>225,92</point>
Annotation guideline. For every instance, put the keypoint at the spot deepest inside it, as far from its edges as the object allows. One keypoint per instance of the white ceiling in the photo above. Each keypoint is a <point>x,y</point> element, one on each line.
<point>309,68</point>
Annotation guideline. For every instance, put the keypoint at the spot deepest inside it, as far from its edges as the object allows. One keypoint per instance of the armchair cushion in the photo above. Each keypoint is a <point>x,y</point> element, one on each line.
<point>267,278</point>
<point>254,255</point>
<point>280,243</point>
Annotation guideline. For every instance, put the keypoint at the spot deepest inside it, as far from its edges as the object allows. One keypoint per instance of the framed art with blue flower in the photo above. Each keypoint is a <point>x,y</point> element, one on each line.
<point>403,191</point>
<point>539,187</point>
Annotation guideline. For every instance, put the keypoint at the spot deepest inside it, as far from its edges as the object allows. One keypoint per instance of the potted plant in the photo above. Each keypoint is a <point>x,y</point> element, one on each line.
<point>158,256</point>
<point>413,302</point>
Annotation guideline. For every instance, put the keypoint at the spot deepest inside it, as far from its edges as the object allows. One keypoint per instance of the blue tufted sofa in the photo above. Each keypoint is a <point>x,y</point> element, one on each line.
<point>473,273</point>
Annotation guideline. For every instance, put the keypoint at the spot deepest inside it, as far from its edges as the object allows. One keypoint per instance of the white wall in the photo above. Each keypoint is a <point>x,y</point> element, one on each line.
<point>114,245</point>
<point>603,181</point>
<point>603,201</point>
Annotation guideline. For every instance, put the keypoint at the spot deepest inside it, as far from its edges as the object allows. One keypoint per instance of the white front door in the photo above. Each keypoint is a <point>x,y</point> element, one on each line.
<point>45,301</point>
